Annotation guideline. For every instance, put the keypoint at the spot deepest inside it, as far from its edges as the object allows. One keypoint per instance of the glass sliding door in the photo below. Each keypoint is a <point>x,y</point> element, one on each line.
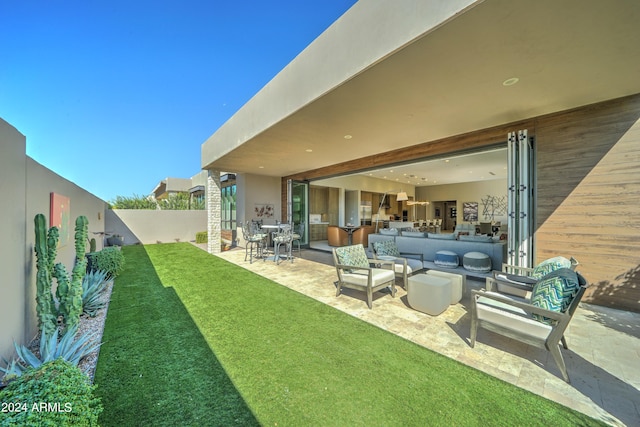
<point>298,208</point>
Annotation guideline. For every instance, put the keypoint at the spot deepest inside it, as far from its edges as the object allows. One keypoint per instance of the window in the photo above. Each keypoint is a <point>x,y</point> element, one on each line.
<point>228,208</point>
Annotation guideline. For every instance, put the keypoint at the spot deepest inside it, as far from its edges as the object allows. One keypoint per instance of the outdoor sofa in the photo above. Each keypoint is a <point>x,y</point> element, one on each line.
<point>428,244</point>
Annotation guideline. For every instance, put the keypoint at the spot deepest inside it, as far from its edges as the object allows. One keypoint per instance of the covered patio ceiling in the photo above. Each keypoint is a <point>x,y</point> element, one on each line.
<point>454,78</point>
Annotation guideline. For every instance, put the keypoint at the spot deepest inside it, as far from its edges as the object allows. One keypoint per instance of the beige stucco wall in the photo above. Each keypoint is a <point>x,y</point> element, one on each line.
<point>149,226</point>
<point>41,182</point>
<point>12,229</point>
<point>26,187</point>
<point>255,190</point>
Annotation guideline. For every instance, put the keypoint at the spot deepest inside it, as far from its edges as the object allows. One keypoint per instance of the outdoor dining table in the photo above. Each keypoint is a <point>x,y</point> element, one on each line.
<point>350,229</point>
<point>270,229</point>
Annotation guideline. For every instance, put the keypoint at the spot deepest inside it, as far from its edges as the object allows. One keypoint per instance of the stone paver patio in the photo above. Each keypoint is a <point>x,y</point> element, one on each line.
<point>603,359</point>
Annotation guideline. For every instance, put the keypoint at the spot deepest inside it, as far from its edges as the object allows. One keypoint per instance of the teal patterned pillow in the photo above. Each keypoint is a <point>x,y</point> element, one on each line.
<point>550,265</point>
<point>386,247</point>
<point>555,292</point>
<point>352,255</point>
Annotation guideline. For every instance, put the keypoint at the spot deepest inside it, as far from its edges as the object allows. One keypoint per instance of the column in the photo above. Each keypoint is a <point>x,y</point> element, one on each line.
<point>214,206</point>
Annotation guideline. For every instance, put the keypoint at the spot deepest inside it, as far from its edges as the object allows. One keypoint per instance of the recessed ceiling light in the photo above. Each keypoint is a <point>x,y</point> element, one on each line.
<point>348,137</point>
<point>446,161</point>
<point>309,150</point>
<point>260,167</point>
<point>511,81</point>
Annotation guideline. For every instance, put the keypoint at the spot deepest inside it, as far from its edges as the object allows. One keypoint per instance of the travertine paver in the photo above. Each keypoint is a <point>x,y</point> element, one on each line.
<point>603,359</point>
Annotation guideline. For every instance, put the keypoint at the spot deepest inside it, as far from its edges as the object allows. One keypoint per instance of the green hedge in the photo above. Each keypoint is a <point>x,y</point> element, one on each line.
<point>55,394</point>
<point>109,259</point>
<point>202,237</point>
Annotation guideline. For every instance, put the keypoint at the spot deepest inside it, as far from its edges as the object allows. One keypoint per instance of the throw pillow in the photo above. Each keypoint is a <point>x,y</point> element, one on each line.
<point>555,292</point>
<point>550,265</point>
<point>352,255</point>
<point>386,248</point>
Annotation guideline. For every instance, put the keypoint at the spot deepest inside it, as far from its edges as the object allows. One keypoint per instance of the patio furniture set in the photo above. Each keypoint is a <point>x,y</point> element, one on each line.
<point>534,306</point>
<point>270,241</point>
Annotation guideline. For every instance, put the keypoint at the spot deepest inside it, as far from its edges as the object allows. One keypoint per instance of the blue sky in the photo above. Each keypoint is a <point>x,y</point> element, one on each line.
<point>117,95</point>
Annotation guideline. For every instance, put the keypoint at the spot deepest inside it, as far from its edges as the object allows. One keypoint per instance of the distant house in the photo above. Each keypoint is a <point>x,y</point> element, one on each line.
<point>195,187</point>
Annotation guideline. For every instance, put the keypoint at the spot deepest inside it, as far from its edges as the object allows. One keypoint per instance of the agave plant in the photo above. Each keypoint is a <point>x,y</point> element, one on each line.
<point>93,286</point>
<point>69,348</point>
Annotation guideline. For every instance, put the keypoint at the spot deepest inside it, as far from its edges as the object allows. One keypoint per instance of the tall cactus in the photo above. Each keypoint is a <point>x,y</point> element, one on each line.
<point>45,307</point>
<point>69,291</point>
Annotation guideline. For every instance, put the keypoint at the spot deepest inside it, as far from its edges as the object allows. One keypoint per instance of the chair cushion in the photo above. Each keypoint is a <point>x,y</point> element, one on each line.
<point>386,247</point>
<point>378,277</point>
<point>352,255</point>
<point>446,259</point>
<point>476,261</point>
<point>555,292</point>
<point>550,265</point>
<point>510,317</point>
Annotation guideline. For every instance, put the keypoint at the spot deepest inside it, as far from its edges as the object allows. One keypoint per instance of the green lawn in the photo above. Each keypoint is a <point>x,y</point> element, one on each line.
<point>193,340</point>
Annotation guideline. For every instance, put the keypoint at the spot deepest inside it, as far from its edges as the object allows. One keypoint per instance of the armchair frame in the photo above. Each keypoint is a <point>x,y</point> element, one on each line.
<point>403,261</point>
<point>370,287</point>
<point>552,340</point>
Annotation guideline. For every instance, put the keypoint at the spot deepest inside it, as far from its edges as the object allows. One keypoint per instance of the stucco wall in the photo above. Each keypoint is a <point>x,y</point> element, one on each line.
<point>26,188</point>
<point>149,226</point>
<point>41,182</point>
<point>12,229</point>
<point>255,190</point>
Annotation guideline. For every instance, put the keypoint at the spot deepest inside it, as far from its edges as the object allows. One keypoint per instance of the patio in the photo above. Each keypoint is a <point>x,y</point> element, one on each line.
<point>603,359</point>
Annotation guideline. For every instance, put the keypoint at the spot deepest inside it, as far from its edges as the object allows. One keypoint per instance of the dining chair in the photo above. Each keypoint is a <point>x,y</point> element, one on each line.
<point>299,235</point>
<point>283,238</point>
<point>253,241</point>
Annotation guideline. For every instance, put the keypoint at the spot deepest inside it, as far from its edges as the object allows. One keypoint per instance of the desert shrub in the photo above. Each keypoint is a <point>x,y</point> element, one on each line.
<point>70,348</point>
<point>202,237</point>
<point>109,259</point>
<point>55,394</point>
<point>94,285</point>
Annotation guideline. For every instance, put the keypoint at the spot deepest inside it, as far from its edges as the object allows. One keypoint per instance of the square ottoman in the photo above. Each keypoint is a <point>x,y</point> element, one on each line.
<point>429,294</point>
<point>458,283</point>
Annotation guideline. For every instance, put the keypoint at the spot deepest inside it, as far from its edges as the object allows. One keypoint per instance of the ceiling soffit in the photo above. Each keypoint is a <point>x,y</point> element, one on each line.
<point>450,82</point>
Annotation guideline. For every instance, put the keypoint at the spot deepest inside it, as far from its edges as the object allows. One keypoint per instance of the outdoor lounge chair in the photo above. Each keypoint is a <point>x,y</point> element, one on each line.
<point>540,321</point>
<point>354,271</point>
<point>403,266</point>
<point>519,281</point>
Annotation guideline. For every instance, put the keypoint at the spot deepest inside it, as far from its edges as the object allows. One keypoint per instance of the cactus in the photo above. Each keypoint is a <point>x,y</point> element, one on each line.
<point>92,245</point>
<point>45,306</point>
<point>69,291</point>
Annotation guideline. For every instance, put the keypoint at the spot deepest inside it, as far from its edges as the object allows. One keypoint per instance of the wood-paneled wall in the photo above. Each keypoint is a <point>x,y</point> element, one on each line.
<point>587,189</point>
<point>588,196</point>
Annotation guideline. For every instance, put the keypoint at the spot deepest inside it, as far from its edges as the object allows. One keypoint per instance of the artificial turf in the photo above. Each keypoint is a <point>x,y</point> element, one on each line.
<point>191,339</point>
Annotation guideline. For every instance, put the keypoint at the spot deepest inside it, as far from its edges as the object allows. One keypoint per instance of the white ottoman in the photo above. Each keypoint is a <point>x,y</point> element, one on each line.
<point>429,294</point>
<point>458,283</point>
